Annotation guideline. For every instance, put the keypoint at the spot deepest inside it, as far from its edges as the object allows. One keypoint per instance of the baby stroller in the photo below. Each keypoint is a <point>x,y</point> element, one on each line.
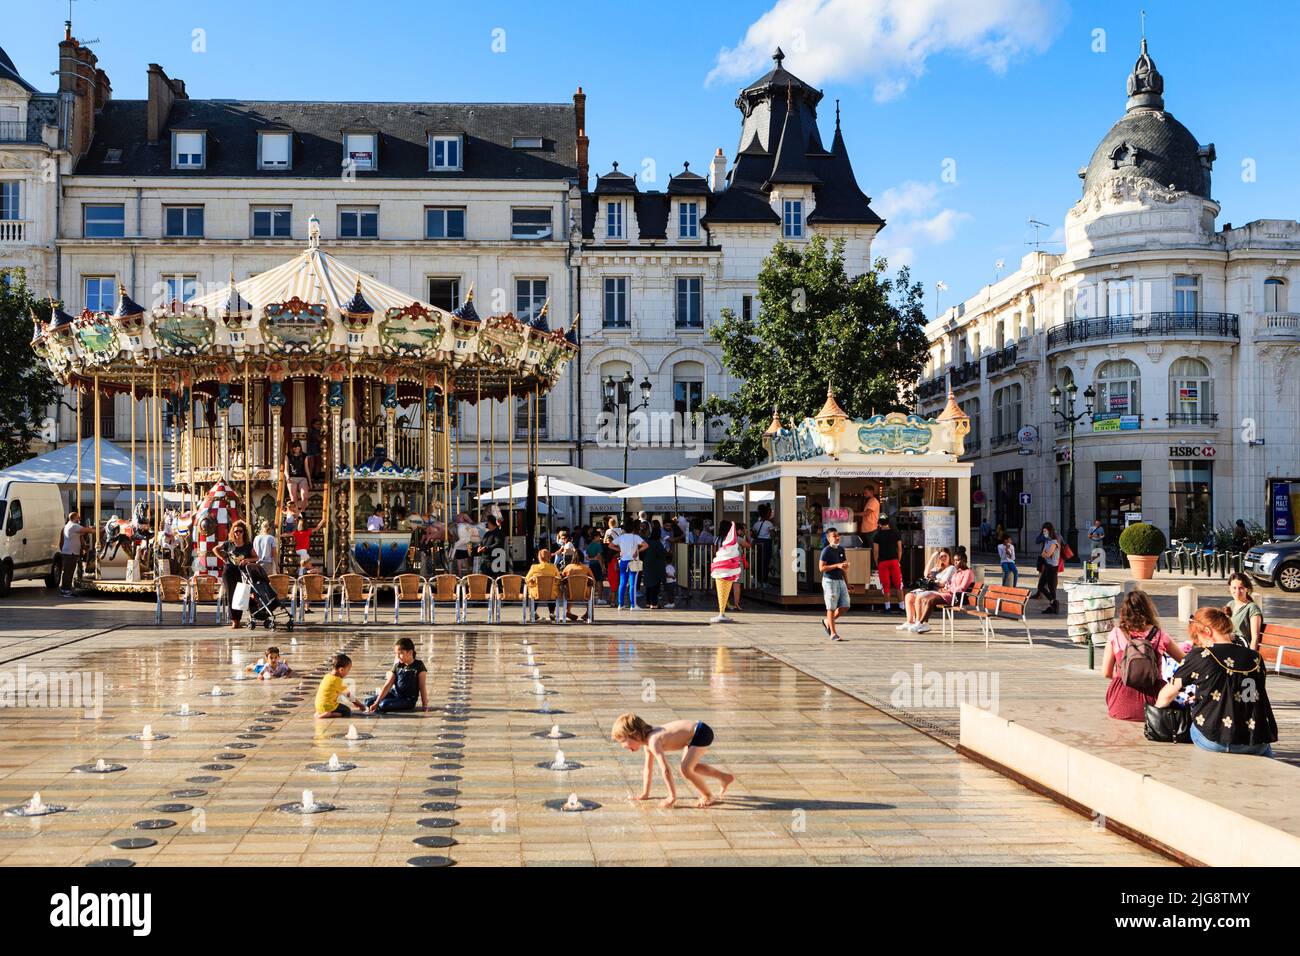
<point>263,603</point>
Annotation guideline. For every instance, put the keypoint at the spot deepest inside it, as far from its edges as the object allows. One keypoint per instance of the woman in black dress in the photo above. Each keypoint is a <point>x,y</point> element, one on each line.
<point>235,551</point>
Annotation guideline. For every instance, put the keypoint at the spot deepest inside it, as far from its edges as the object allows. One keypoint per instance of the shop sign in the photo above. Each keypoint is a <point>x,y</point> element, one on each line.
<point>1192,451</point>
<point>1283,515</point>
<point>1027,435</point>
<point>1062,456</point>
<point>836,515</point>
<point>1120,423</point>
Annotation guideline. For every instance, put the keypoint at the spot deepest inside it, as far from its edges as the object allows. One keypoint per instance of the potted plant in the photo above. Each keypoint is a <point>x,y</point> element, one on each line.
<point>1142,543</point>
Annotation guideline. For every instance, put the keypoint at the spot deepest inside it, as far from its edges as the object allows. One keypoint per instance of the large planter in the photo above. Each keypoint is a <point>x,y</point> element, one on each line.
<point>1143,565</point>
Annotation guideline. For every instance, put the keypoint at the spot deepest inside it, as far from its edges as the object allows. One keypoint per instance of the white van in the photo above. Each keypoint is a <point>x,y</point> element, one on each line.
<point>33,518</point>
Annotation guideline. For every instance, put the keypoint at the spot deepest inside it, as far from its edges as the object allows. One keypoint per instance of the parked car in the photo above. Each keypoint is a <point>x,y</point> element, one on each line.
<point>1275,564</point>
<point>33,521</point>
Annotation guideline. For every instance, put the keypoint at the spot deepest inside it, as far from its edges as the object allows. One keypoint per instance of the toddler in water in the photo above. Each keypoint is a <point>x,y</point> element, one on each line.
<point>273,666</point>
<point>332,691</point>
<point>694,736</point>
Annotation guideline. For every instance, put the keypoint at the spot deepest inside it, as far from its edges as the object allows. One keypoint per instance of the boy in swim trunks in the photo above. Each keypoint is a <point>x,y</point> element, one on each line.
<point>694,736</point>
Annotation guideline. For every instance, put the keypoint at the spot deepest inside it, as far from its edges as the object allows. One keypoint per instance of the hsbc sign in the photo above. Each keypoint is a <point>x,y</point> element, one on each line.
<point>1192,451</point>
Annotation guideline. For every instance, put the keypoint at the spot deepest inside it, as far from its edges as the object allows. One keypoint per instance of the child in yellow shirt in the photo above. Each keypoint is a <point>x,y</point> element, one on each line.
<point>333,691</point>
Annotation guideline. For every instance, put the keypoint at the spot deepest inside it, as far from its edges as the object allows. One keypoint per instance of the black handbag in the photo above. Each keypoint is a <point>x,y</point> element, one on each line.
<point>1167,725</point>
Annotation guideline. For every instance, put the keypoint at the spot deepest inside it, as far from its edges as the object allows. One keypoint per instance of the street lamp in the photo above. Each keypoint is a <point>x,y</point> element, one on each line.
<point>619,392</point>
<point>1068,416</point>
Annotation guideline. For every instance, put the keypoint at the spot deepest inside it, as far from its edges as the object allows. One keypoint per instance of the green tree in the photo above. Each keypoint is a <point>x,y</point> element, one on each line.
<point>27,388</point>
<point>816,325</point>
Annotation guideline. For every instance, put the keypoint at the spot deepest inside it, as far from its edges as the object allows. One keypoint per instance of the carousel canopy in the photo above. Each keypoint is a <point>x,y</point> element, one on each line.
<point>60,466</point>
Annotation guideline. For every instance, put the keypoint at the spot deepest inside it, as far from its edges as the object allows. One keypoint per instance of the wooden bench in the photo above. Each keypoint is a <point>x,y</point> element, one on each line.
<point>992,602</point>
<point>1280,647</point>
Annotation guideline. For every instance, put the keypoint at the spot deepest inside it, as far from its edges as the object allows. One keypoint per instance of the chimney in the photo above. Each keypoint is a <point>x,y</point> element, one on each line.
<point>718,172</point>
<point>79,85</point>
<point>103,89</point>
<point>584,144</point>
<point>163,92</point>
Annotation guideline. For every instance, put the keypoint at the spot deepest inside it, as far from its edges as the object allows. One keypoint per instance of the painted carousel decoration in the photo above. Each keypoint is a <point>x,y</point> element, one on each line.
<point>317,359</point>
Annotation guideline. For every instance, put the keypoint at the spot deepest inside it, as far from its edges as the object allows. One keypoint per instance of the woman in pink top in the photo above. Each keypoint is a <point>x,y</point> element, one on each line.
<point>961,580</point>
<point>1137,619</point>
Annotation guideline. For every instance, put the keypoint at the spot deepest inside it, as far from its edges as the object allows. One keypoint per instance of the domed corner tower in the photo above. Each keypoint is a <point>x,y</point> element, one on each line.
<point>1148,164</point>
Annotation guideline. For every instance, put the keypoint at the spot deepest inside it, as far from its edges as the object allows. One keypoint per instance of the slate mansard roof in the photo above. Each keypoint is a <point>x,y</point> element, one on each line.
<point>232,133</point>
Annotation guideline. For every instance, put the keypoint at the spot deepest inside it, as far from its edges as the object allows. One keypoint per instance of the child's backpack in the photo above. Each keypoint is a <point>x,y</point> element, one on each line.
<point>1140,665</point>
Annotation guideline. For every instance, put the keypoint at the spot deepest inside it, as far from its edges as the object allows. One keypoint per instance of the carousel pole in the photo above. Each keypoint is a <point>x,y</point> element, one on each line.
<point>453,404</point>
<point>248,461</point>
<point>132,444</point>
<point>478,440</point>
<point>158,453</point>
<point>510,456</point>
<point>446,450</point>
<point>336,415</point>
<point>352,463</point>
<point>98,509</point>
<point>189,444</point>
<point>77,503</point>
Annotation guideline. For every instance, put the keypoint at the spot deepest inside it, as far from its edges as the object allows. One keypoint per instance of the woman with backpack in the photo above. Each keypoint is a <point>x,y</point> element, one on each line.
<point>1050,563</point>
<point>1135,651</point>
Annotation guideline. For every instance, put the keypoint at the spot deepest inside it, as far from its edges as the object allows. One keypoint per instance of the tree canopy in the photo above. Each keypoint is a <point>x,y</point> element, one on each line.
<point>816,325</point>
<point>26,387</point>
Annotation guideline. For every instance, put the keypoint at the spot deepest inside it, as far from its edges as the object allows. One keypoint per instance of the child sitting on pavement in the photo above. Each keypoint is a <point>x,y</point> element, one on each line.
<point>407,680</point>
<point>691,736</point>
<point>273,666</point>
<point>332,691</point>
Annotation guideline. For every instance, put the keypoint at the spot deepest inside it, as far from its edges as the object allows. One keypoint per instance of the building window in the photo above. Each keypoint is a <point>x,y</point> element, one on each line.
<point>1119,297</point>
<point>530,224</point>
<point>103,222</point>
<point>526,142</point>
<point>274,150</point>
<point>688,220</point>
<point>1187,294</point>
<point>1191,499</point>
<point>272,222</point>
<point>444,293</point>
<point>690,312</point>
<point>359,151</point>
<point>747,307</point>
<point>615,316</point>
<point>10,196</point>
<point>444,223</point>
<point>972,409</point>
<point>1191,393</point>
<point>1274,294</point>
<point>530,296</point>
<point>792,221</point>
<point>614,221</point>
<point>688,397</point>
<point>359,223</point>
<point>181,288</point>
<point>183,222</point>
<point>1007,405</point>
<point>445,153</point>
<point>1119,389</point>
<point>524,416</point>
<point>99,292</point>
<point>187,150</point>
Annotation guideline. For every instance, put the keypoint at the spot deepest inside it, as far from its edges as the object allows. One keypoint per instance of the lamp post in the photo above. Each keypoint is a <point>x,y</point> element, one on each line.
<point>619,392</point>
<point>1068,416</point>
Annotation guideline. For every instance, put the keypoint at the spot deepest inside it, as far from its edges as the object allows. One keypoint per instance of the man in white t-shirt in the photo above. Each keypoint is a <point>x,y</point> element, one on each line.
<point>629,547</point>
<point>70,551</point>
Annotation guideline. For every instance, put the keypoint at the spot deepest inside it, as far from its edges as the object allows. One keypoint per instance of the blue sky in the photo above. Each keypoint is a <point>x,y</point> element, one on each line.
<point>1010,95</point>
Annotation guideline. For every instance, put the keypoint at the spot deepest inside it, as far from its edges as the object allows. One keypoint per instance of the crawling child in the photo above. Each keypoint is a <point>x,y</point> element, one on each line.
<point>273,666</point>
<point>694,736</point>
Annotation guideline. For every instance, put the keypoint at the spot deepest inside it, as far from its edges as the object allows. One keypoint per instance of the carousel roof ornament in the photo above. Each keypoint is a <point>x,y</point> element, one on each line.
<point>775,427</point>
<point>831,409</point>
<point>539,321</point>
<point>235,305</point>
<point>313,232</point>
<point>571,335</point>
<point>126,308</point>
<point>358,310</point>
<point>466,312</point>
<point>60,321</point>
<point>951,410</point>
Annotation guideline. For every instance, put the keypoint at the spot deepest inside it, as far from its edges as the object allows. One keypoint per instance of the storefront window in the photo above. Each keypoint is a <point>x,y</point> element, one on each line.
<point>1007,510</point>
<point>1119,389</point>
<point>1119,494</point>
<point>1191,499</point>
<point>1191,393</point>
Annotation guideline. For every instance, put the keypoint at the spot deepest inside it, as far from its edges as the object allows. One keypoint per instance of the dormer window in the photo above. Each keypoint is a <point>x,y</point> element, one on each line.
<point>792,220</point>
<point>274,150</point>
<point>526,142</point>
<point>360,151</point>
<point>614,221</point>
<point>445,153</point>
<point>188,150</point>
<point>688,220</point>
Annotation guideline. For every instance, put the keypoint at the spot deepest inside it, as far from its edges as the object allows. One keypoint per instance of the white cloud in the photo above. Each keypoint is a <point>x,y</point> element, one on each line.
<point>915,219</point>
<point>888,41</point>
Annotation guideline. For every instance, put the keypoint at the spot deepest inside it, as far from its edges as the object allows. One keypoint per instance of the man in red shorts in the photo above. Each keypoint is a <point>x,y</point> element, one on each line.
<point>886,554</point>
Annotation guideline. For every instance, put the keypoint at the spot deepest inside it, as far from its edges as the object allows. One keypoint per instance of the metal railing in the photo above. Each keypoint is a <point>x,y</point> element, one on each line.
<point>966,373</point>
<point>1001,441</point>
<point>1000,360</point>
<point>1145,325</point>
<point>1190,418</point>
<point>931,389</point>
<point>13,131</point>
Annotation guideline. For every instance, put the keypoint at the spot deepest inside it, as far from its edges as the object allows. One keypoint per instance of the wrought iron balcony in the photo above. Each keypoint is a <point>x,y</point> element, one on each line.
<point>1224,325</point>
<point>931,389</point>
<point>1001,441</point>
<point>1189,418</point>
<point>12,131</point>
<point>1001,360</point>
<point>966,374</point>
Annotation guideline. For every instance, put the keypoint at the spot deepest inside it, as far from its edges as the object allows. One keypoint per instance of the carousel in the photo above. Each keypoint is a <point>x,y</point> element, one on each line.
<point>312,361</point>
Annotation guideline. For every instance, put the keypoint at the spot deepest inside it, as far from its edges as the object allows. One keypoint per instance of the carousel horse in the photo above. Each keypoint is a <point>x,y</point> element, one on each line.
<point>120,533</point>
